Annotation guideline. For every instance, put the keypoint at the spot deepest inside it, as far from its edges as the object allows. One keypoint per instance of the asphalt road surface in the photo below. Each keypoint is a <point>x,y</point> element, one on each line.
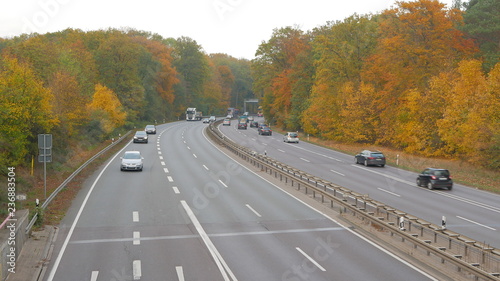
<point>194,213</point>
<point>468,211</point>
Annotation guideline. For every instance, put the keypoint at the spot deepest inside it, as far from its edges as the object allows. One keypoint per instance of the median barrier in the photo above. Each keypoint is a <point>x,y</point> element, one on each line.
<point>450,253</point>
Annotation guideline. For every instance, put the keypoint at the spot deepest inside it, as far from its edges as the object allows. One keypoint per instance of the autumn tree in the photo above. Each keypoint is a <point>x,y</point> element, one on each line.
<point>107,109</point>
<point>25,106</point>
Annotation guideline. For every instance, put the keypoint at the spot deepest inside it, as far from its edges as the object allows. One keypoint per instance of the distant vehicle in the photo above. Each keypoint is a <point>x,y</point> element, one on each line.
<point>264,130</point>
<point>226,122</point>
<point>193,115</point>
<point>254,124</point>
<point>435,178</point>
<point>368,158</point>
<point>232,112</point>
<point>206,120</point>
<point>242,123</point>
<point>141,136</point>
<point>131,160</point>
<point>291,137</point>
<point>150,129</point>
<point>262,125</point>
<point>259,114</point>
<point>250,118</point>
<point>212,119</point>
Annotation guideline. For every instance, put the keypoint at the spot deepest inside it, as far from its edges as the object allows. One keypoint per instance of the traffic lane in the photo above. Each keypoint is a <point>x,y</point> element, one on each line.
<point>263,223</point>
<point>392,186</point>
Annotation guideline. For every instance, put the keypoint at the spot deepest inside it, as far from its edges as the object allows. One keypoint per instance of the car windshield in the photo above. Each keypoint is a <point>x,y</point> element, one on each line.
<point>140,133</point>
<point>443,173</point>
<point>150,127</point>
<point>132,156</point>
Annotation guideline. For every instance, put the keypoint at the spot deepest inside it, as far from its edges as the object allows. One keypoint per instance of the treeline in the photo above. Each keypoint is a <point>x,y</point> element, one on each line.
<point>417,77</point>
<point>82,86</point>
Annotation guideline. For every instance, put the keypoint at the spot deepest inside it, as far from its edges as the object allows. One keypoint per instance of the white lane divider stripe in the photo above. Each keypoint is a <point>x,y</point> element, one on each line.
<point>310,259</point>
<point>252,209</point>
<point>165,169</point>
<point>471,221</point>
<point>170,179</point>
<point>137,238</point>
<point>136,269</point>
<point>94,275</point>
<point>135,216</point>
<point>206,168</point>
<point>180,273</point>
<point>162,163</point>
<point>176,190</point>
<point>221,182</point>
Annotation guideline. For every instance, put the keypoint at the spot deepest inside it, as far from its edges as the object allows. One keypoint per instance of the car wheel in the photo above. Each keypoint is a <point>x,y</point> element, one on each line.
<point>366,163</point>
<point>450,187</point>
<point>382,165</point>
<point>429,185</point>
<point>418,182</point>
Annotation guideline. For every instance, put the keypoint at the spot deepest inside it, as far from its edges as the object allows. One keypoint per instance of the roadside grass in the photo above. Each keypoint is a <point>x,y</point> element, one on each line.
<point>461,171</point>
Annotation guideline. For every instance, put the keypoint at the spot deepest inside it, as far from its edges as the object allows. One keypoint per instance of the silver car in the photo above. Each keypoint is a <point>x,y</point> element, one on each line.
<point>131,160</point>
<point>291,137</point>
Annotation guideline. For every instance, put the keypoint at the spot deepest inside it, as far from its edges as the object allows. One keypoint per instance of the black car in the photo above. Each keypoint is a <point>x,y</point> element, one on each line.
<point>435,178</point>
<point>254,124</point>
<point>368,158</point>
<point>141,136</point>
<point>150,129</point>
<point>265,131</point>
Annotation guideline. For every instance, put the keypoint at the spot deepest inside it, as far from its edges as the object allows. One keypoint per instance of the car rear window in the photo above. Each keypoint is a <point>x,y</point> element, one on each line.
<point>377,155</point>
<point>293,135</point>
<point>442,173</point>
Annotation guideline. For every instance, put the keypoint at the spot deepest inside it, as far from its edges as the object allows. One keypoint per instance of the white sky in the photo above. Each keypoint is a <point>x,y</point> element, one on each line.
<point>234,27</point>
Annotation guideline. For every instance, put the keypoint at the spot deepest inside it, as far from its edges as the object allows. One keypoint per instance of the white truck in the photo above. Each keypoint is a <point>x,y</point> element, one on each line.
<point>193,115</point>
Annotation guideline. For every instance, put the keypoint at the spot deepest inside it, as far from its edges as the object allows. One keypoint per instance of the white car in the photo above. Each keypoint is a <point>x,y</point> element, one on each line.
<point>291,137</point>
<point>131,160</point>
<point>206,120</point>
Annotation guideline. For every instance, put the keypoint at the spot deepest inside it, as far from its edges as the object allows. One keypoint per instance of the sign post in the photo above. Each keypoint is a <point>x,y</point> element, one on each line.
<point>45,155</point>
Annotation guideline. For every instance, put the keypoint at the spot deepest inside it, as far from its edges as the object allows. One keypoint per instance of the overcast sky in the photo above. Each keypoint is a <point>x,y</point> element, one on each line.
<point>234,27</point>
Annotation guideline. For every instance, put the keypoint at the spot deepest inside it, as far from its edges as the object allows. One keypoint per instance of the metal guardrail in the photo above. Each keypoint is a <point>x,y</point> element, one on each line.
<point>51,197</point>
<point>458,255</point>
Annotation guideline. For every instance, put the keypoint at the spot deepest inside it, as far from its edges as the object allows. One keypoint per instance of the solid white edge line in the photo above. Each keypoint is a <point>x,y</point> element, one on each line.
<point>180,273</point>
<point>310,259</point>
<point>221,264</point>
<point>94,275</point>
<point>70,233</point>
<point>338,223</point>
<point>136,269</point>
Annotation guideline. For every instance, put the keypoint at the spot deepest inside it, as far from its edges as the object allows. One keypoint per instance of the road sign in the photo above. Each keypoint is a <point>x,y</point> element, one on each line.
<point>45,141</point>
<point>44,148</point>
<point>44,158</point>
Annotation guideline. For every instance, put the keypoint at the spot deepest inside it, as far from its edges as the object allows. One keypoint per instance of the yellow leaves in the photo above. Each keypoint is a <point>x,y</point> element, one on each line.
<point>107,108</point>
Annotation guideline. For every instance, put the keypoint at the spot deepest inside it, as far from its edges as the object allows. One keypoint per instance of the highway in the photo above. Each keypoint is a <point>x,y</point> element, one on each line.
<point>194,213</point>
<point>468,211</point>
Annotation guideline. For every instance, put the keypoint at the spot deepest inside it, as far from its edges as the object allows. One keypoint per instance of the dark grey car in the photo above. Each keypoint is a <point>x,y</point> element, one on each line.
<point>435,178</point>
<point>141,136</point>
<point>368,158</point>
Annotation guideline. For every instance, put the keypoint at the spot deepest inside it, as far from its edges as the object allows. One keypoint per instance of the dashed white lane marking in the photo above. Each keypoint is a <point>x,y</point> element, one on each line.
<point>180,273</point>
<point>135,216</point>
<point>303,159</point>
<point>188,147</point>
<point>471,221</point>
<point>162,163</point>
<point>170,179</point>
<point>387,191</point>
<point>165,169</point>
<point>281,150</point>
<point>311,259</point>
<point>136,269</point>
<point>137,238</point>
<point>338,173</point>
<point>161,157</point>
<point>195,155</point>
<point>252,209</point>
<point>176,190</point>
<point>159,152</point>
<point>221,182</point>
<point>93,277</point>
<point>206,168</point>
